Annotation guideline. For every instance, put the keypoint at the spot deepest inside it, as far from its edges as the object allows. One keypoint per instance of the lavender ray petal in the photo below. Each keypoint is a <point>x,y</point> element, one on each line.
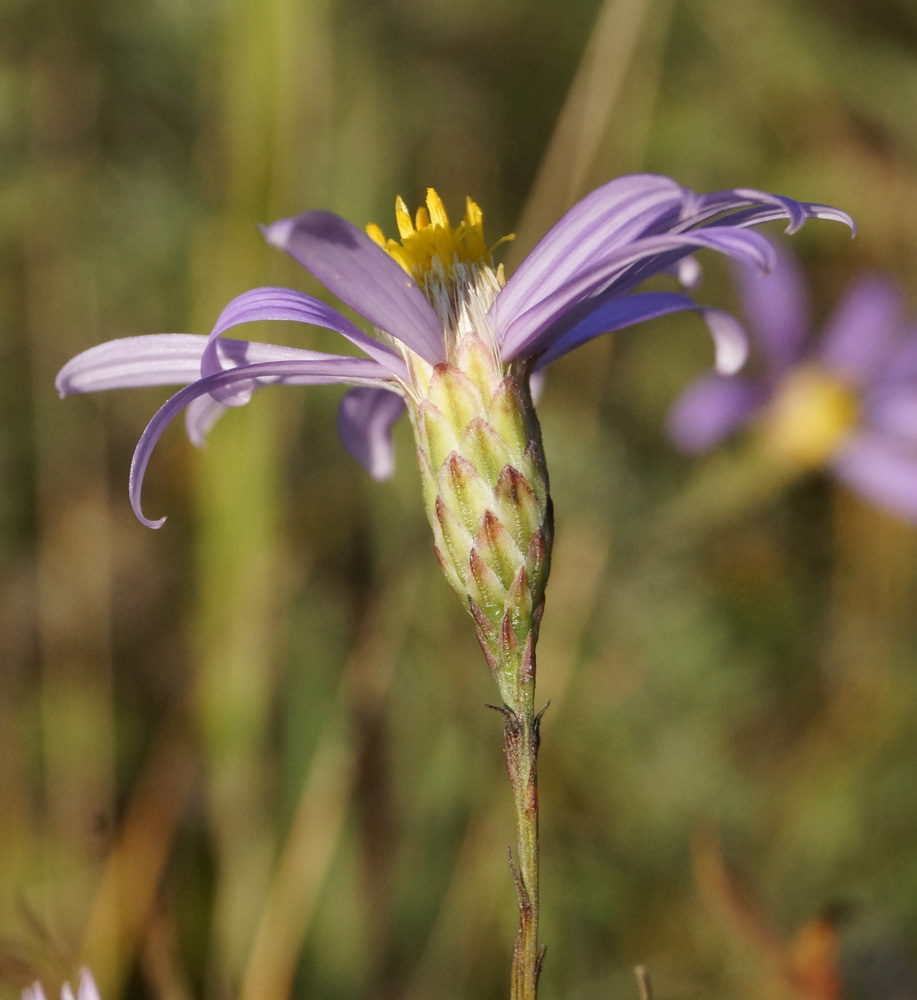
<point>166,359</point>
<point>688,272</point>
<point>131,362</point>
<point>349,264</point>
<point>356,371</point>
<point>893,411</point>
<point>729,337</point>
<point>236,353</point>
<point>201,415</point>
<point>286,304</point>
<point>612,216</point>
<point>712,205</point>
<point>553,315</point>
<point>900,364</point>
<point>365,420</point>
<point>637,206</point>
<point>710,409</point>
<point>87,989</point>
<point>858,336</point>
<point>537,381</point>
<point>880,471</point>
<point>775,308</point>
<point>749,207</point>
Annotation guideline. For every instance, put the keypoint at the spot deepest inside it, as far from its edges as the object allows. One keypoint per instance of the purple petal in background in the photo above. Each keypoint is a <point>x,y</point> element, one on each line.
<point>710,409</point>
<point>365,420</point>
<point>87,990</point>
<point>775,307</point>
<point>880,471</point>
<point>894,411</point>
<point>349,264</point>
<point>901,364</point>
<point>857,339</point>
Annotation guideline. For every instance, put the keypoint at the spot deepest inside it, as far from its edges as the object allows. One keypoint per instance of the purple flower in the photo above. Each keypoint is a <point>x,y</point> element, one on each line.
<point>845,400</point>
<point>425,294</point>
<point>87,989</point>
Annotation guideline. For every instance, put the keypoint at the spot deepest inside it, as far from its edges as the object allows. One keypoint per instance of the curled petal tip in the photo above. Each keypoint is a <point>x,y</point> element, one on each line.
<point>134,487</point>
<point>840,216</point>
<point>731,359</point>
<point>61,381</point>
<point>64,385</point>
<point>142,518</point>
<point>730,341</point>
<point>769,260</point>
<point>277,234</point>
<point>833,215</point>
<point>688,272</point>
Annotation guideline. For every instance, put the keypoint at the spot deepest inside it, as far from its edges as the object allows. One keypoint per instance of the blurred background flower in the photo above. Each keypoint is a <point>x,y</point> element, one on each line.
<point>844,400</point>
<point>85,991</point>
<point>217,766</point>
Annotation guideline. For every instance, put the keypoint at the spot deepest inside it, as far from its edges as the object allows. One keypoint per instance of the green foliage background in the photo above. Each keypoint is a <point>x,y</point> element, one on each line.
<point>247,755</point>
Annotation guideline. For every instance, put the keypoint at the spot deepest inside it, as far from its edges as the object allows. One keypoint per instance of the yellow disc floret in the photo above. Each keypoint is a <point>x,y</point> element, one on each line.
<point>429,244</point>
<point>810,417</point>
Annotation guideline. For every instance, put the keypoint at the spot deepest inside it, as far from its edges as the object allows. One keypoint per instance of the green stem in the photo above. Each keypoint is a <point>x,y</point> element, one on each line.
<point>520,741</point>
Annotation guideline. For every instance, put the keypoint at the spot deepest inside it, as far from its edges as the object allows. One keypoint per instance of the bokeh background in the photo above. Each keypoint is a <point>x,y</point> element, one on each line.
<point>247,755</point>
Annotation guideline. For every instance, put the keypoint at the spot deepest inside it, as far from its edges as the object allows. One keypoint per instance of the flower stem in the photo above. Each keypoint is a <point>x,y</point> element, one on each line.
<point>520,742</point>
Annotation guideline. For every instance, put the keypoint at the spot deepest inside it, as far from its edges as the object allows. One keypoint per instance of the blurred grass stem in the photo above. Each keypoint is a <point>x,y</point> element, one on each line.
<point>643,983</point>
<point>727,486</point>
<point>73,565</point>
<point>315,832</point>
<point>564,173</point>
<point>131,880</point>
<point>264,86</point>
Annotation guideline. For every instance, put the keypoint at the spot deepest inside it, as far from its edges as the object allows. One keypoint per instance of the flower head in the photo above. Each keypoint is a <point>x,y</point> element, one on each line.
<point>85,991</point>
<point>578,283</point>
<point>456,343</point>
<point>844,400</point>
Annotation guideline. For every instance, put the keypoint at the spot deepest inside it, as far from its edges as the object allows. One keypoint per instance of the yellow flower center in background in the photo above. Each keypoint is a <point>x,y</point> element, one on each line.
<point>429,245</point>
<point>811,415</point>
